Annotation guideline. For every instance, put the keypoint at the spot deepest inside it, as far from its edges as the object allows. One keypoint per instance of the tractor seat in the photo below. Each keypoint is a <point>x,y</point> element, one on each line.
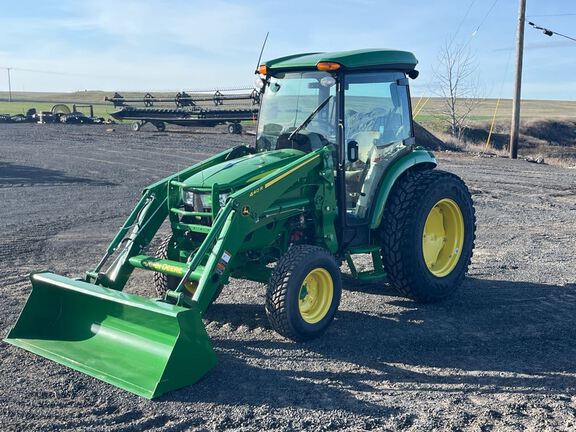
<point>298,142</point>
<point>366,140</point>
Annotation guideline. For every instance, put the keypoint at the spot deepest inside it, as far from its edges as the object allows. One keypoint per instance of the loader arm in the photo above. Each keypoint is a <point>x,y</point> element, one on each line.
<point>252,208</point>
<point>142,224</point>
<point>139,344</point>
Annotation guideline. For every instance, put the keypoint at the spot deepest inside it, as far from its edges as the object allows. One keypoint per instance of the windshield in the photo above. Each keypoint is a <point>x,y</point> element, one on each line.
<point>289,104</point>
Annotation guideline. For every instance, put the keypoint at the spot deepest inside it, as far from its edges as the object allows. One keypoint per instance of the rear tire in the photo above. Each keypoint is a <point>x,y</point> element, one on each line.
<point>303,293</point>
<point>428,233</point>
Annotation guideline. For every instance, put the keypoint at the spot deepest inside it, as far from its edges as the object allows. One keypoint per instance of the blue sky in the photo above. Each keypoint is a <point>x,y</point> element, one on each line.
<point>186,44</point>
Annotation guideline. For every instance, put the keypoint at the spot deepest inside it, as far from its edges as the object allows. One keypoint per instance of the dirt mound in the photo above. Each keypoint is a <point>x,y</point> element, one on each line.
<point>555,132</point>
<point>478,134</point>
<point>427,139</point>
<point>534,135</point>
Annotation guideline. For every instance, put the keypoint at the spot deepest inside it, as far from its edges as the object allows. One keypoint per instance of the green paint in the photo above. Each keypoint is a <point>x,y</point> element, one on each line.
<point>244,170</point>
<point>358,59</point>
<point>410,160</point>
<point>374,275</point>
<point>138,344</point>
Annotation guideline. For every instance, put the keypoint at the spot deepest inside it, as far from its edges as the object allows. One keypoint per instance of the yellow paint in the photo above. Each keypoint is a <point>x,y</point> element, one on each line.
<point>163,267</point>
<point>443,237</point>
<point>259,176</point>
<point>492,125</point>
<point>418,104</point>
<point>287,173</point>
<point>315,295</point>
<point>255,191</point>
<point>420,109</point>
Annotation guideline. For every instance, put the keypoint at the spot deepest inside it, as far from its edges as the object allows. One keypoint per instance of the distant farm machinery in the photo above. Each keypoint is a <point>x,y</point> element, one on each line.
<point>202,109</point>
<point>60,113</point>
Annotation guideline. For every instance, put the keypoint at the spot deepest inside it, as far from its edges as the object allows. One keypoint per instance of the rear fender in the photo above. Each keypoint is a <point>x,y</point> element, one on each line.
<point>417,159</point>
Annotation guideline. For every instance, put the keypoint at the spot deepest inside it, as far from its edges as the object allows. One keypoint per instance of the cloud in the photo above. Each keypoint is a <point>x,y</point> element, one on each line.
<point>210,27</point>
<point>134,45</point>
<point>188,44</point>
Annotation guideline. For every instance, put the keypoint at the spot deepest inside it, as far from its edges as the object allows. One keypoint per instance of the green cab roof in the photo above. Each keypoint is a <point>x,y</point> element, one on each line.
<point>357,59</point>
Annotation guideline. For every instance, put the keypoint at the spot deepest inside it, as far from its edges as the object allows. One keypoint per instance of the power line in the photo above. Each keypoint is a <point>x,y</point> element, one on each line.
<point>485,17</point>
<point>49,72</point>
<point>479,25</point>
<point>551,15</point>
<point>462,20</point>
<point>549,32</point>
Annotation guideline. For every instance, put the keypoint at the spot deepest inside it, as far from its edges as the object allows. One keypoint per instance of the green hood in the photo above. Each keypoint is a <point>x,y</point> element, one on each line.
<point>237,173</point>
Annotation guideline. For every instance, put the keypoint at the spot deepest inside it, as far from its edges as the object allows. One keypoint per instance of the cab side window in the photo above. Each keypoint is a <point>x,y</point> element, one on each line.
<point>377,121</point>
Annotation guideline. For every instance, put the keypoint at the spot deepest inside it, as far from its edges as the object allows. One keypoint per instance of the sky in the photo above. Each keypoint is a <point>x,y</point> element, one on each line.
<point>146,45</point>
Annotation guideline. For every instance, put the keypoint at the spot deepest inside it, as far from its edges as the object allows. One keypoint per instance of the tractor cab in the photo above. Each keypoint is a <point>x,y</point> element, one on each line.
<point>357,102</point>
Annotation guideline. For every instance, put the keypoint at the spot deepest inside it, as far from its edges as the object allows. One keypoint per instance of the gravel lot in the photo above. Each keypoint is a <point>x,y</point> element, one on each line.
<point>499,355</point>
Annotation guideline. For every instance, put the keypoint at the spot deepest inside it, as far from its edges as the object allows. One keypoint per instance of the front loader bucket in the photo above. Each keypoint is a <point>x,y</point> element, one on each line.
<point>138,344</point>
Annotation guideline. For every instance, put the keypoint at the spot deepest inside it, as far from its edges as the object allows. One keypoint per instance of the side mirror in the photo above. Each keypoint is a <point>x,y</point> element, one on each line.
<point>352,151</point>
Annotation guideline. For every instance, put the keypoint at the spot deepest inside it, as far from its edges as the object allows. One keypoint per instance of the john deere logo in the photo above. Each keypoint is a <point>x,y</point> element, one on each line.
<point>163,267</point>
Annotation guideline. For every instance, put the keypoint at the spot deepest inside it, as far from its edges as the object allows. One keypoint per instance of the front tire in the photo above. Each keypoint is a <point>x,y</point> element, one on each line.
<point>164,283</point>
<point>303,293</point>
<point>428,233</point>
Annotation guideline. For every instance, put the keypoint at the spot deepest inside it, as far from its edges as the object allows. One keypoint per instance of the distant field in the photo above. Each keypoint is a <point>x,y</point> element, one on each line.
<point>22,101</point>
<point>531,109</point>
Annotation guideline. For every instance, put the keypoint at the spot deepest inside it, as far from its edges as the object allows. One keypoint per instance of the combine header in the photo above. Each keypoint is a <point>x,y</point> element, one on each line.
<point>334,172</point>
<point>189,110</point>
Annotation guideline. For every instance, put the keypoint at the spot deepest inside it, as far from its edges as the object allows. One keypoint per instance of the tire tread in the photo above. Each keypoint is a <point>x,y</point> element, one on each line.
<point>395,231</point>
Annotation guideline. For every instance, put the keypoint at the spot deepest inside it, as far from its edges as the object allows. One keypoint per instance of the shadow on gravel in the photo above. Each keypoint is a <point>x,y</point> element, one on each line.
<point>24,175</point>
<point>491,337</point>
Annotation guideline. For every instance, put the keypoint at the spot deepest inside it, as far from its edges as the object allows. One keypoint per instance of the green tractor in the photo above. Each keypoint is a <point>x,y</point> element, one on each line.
<point>335,172</point>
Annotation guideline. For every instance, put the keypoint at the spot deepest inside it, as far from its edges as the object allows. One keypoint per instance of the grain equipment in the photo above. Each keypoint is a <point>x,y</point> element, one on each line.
<point>334,172</point>
<point>188,110</point>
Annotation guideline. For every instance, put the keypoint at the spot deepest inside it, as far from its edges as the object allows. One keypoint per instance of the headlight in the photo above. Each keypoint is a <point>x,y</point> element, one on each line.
<point>222,199</point>
<point>188,197</point>
<point>201,202</point>
<point>198,201</point>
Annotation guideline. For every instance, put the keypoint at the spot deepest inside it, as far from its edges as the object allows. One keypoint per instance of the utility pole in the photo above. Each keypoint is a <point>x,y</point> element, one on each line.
<point>515,127</point>
<point>9,86</point>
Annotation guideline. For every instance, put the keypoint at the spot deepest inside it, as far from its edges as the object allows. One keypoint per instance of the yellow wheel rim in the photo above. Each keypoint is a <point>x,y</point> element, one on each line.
<point>315,295</point>
<point>443,237</point>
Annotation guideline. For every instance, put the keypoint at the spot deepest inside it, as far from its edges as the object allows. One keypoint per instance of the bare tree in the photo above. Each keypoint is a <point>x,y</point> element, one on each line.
<point>456,82</point>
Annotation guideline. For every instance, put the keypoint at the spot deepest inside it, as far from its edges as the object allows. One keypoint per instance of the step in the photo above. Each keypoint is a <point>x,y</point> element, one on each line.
<point>378,273</point>
<point>363,249</point>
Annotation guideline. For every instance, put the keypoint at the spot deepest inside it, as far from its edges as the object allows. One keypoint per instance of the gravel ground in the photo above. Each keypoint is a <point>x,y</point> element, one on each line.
<point>498,355</point>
